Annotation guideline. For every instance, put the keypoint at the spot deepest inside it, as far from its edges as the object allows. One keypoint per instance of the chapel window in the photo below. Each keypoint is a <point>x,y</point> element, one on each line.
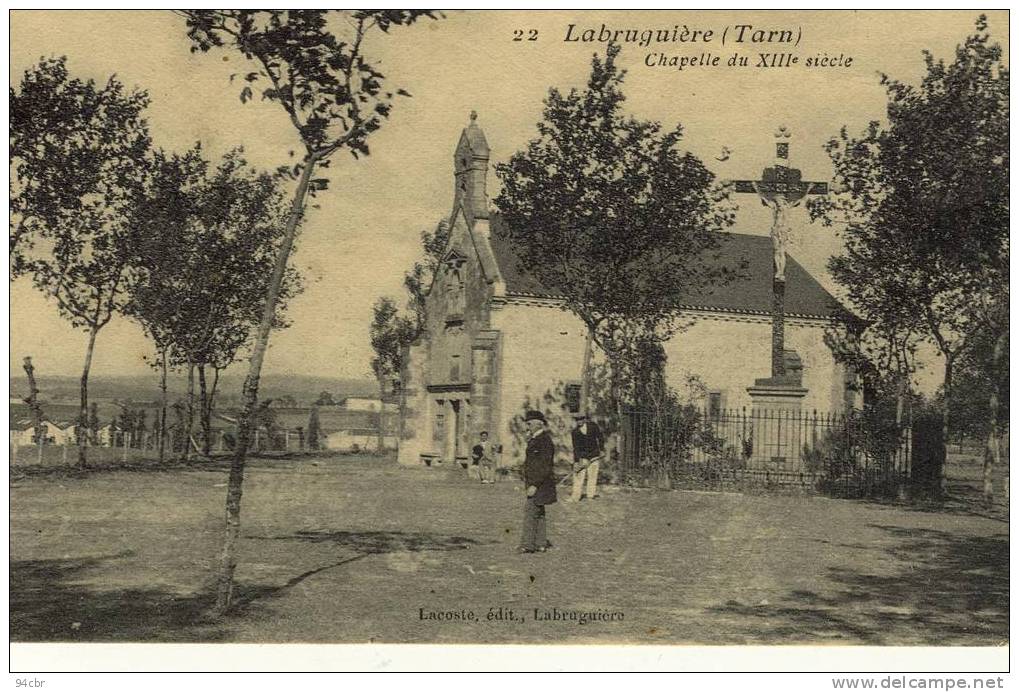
<point>572,396</point>
<point>455,290</point>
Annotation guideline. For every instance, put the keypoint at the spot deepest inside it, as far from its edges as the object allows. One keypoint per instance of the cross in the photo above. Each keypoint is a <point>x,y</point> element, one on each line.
<point>781,189</point>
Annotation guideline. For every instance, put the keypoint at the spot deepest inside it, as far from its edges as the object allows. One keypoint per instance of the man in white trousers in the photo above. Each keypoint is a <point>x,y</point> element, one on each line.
<point>588,450</point>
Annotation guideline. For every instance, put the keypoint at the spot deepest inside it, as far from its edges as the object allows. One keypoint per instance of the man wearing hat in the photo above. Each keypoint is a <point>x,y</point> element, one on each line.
<point>588,449</point>
<point>539,481</point>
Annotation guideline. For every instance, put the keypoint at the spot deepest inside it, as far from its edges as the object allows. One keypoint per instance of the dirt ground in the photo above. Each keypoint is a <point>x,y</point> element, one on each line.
<point>355,549</point>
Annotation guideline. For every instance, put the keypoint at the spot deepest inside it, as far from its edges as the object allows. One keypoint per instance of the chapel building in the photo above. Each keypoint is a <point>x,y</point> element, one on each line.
<point>496,339</point>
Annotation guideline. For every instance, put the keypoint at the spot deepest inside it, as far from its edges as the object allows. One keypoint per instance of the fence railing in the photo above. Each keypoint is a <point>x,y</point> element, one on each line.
<point>834,453</point>
<point>121,445</point>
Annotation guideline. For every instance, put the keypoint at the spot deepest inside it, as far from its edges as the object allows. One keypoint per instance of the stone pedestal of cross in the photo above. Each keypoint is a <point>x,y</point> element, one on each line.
<point>777,399</point>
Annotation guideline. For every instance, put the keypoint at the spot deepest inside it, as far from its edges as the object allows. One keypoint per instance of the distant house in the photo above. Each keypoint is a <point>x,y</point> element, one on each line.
<point>346,429</point>
<point>60,432</point>
<point>60,416</point>
<point>106,435</point>
<point>361,403</point>
<point>340,429</point>
<point>22,432</point>
<point>365,440</point>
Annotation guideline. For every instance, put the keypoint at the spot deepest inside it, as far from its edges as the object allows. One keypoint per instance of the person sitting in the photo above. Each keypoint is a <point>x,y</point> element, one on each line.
<point>485,452</point>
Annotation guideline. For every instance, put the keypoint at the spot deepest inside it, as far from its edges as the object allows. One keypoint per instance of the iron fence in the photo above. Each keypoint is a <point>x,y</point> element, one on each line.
<point>847,455</point>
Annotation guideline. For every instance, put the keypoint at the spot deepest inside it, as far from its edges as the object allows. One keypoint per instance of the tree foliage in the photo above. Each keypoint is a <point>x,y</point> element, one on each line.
<point>980,372</point>
<point>313,64</point>
<point>78,156</point>
<point>325,399</point>
<point>924,203</point>
<point>611,214</point>
<point>75,149</point>
<point>391,329</point>
<point>390,332</point>
<point>205,255</point>
<point>418,280</point>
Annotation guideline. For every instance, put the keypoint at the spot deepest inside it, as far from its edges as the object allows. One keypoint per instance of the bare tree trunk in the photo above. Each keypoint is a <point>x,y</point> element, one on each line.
<point>33,402</point>
<point>900,401</point>
<point>189,422</point>
<point>228,558</point>
<point>204,412</point>
<point>947,388</point>
<point>80,428</point>
<point>992,451</point>
<point>992,455</point>
<point>585,373</point>
<point>212,400</point>
<point>615,385</point>
<point>162,406</point>
<point>382,393</point>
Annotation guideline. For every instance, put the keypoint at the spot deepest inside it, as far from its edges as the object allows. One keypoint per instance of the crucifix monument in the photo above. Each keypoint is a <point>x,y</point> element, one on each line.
<point>781,189</point>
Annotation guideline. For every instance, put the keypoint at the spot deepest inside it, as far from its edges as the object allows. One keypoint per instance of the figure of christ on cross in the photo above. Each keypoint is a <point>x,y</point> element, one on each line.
<point>780,206</point>
<point>781,189</point>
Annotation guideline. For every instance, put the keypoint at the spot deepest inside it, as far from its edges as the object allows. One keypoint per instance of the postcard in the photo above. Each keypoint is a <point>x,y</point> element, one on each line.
<point>652,330</point>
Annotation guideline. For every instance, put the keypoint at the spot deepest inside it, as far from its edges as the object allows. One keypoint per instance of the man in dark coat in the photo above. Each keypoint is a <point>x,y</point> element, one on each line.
<point>539,481</point>
<point>588,450</point>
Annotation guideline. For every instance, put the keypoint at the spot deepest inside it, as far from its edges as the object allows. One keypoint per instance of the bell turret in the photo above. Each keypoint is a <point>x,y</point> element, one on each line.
<point>470,166</point>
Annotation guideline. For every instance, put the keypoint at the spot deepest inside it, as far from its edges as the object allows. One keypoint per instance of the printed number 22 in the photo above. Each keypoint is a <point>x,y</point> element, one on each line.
<point>532,35</point>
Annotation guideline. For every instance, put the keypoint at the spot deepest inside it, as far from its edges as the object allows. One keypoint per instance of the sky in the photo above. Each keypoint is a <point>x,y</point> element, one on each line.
<point>365,234</point>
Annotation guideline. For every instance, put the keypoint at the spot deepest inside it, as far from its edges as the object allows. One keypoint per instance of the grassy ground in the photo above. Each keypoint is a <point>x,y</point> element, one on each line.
<point>355,549</point>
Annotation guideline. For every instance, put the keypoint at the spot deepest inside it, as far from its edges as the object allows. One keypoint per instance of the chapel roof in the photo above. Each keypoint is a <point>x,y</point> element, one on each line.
<point>749,293</point>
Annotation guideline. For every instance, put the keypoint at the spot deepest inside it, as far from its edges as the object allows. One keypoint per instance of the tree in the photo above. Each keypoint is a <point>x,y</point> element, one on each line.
<point>265,419</point>
<point>334,98</point>
<point>325,399</point>
<point>314,429</point>
<point>612,216</point>
<point>127,423</point>
<point>38,430</point>
<point>418,280</point>
<point>390,333</point>
<point>141,428</point>
<point>881,353</point>
<point>78,157</point>
<point>204,258</point>
<point>924,200</point>
<point>978,407</point>
<point>159,253</point>
<point>993,358</point>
